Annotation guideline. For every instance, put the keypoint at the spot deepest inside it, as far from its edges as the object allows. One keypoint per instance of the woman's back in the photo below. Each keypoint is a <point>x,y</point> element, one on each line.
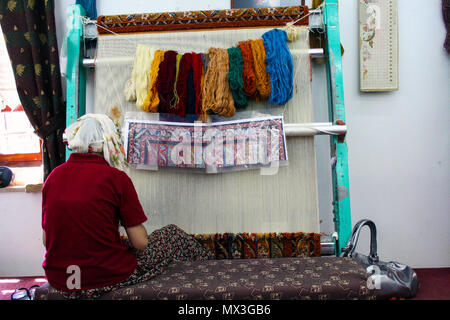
<point>83,202</point>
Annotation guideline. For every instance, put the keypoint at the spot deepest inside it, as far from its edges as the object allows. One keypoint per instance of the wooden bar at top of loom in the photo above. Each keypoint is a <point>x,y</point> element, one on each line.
<point>193,21</point>
<point>203,20</point>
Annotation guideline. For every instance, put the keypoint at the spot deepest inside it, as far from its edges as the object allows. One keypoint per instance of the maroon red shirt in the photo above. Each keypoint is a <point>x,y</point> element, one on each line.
<point>83,201</point>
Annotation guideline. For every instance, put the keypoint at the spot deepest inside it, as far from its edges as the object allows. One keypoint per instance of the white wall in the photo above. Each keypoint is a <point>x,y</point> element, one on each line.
<point>398,143</point>
<point>21,248</point>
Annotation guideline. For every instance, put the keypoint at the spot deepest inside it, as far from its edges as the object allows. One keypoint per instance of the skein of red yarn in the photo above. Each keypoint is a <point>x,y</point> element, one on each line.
<point>197,73</point>
<point>166,80</point>
<point>181,87</point>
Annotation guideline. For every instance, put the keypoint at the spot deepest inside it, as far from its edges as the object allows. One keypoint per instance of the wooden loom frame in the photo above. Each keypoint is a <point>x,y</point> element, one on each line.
<point>76,88</point>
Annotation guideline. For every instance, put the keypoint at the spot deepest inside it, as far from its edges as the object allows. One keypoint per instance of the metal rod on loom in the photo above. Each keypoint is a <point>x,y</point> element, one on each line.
<point>92,62</point>
<point>327,245</point>
<point>312,129</point>
<point>304,129</point>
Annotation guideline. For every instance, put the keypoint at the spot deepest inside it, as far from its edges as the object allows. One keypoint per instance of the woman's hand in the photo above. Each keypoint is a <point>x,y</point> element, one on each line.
<point>138,236</point>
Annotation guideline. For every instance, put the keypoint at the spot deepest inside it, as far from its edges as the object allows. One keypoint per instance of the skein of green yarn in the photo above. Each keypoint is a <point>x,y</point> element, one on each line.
<point>235,79</point>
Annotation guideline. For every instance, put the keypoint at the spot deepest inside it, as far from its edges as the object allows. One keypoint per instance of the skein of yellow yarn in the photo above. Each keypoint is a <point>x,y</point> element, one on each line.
<point>262,77</point>
<point>152,100</point>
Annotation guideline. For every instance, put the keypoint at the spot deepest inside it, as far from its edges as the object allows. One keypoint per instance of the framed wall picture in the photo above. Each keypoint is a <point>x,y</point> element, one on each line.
<point>378,44</point>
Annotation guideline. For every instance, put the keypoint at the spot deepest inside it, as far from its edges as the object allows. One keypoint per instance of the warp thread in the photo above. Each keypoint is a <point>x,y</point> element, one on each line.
<point>152,100</point>
<point>248,72</point>
<point>166,80</point>
<point>217,95</point>
<point>235,77</point>
<point>279,66</point>
<point>262,77</point>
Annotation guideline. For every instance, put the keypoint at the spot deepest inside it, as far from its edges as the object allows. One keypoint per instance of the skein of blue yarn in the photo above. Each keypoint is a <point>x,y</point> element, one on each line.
<point>279,66</point>
<point>90,6</point>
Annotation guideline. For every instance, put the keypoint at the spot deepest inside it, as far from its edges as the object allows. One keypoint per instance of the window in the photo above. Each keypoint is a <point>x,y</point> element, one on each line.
<point>19,146</point>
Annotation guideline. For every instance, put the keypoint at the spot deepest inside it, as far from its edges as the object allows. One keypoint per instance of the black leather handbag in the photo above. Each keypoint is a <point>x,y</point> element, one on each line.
<point>388,279</point>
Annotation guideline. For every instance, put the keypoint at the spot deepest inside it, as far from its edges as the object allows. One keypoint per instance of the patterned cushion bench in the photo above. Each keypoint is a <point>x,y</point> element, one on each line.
<point>314,278</point>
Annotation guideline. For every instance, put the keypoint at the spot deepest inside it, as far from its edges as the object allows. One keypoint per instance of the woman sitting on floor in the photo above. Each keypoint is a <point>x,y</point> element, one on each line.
<point>83,202</point>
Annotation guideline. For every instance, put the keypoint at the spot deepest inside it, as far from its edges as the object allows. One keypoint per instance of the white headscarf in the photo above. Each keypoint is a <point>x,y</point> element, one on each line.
<point>98,133</point>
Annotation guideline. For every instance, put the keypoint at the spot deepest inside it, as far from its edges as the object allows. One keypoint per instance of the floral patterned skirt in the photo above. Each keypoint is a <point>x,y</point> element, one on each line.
<point>165,245</point>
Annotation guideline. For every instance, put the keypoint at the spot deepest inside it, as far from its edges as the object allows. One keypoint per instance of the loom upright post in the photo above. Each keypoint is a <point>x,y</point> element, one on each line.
<point>338,146</point>
<point>76,73</point>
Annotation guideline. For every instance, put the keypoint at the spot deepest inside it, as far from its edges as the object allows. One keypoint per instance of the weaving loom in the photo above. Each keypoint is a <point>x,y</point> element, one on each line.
<point>233,203</point>
<point>240,204</point>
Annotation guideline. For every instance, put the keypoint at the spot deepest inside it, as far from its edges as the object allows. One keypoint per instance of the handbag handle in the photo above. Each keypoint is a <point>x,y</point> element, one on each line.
<point>349,249</point>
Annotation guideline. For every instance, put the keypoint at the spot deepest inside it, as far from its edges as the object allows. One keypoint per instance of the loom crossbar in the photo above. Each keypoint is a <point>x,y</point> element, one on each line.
<point>92,62</point>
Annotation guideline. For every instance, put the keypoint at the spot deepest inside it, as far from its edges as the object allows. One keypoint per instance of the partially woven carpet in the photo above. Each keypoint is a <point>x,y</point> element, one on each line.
<point>261,245</point>
<point>188,20</point>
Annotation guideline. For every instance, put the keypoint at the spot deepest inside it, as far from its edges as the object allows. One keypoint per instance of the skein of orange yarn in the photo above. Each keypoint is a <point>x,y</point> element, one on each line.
<point>249,76</point>
<point>217,95</point>
<point>262,77</point>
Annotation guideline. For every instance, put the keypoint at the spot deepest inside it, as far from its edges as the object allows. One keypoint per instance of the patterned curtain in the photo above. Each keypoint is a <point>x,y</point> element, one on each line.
<point>29,30</point>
